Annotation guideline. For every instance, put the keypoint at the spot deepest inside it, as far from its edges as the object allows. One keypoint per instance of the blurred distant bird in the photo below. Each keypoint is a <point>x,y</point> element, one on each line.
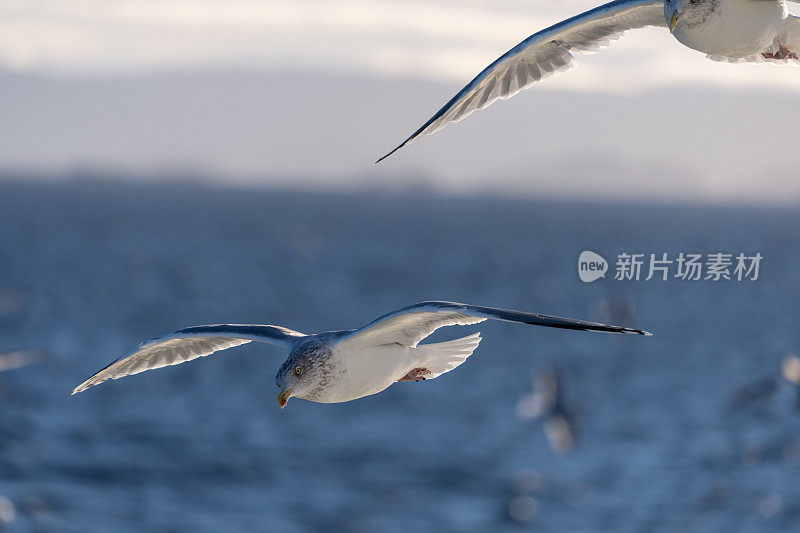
<point>11,302</point>
<point>339,366</point>
<point>725,30</point>
<point>547,402</point>
<point>790,369</point>
<point>12,360</point>
<point>765,387</point>
<point>618,308</point>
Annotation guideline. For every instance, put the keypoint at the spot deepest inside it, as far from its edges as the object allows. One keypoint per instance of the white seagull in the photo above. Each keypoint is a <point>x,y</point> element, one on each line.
<point>339,366</point>
<point>725,30</point>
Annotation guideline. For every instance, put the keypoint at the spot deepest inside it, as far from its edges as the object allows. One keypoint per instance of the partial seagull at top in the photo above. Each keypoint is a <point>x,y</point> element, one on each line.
<point>725,30</point>
<point>339,366</point>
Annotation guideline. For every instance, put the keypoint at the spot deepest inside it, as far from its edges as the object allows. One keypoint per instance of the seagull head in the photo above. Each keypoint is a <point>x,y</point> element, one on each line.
<point>688,12</point>
<point>305,372</point>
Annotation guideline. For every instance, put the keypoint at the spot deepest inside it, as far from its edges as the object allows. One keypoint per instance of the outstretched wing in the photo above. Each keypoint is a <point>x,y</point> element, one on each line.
<point>542,54</point>
<point>187,344</point>
<point>408,326</point>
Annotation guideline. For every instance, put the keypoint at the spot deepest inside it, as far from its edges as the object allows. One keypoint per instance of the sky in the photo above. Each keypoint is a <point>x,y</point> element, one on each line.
<point>444,40</point>
<point>220,88</point>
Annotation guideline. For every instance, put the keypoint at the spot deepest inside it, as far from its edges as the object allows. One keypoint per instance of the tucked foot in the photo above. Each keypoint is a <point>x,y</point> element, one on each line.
<point>782,53</point>
<point>415,375</point>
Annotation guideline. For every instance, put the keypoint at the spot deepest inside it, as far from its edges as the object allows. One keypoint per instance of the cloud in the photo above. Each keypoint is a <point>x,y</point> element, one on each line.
<point>441,40</point>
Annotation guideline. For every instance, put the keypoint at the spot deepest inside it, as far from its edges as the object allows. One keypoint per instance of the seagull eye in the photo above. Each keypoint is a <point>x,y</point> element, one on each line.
<point>298,371</point>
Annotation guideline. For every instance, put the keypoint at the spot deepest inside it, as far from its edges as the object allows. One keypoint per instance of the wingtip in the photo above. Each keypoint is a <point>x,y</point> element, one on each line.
<point>396,149</point>
<point>80,388</point>
<point>630,331</point>
<point>387,155</point>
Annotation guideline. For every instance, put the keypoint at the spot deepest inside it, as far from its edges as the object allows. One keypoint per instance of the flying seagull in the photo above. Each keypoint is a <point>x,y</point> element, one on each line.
<point>725,30</point>
<point>547,402</point>
<point>339,366</point>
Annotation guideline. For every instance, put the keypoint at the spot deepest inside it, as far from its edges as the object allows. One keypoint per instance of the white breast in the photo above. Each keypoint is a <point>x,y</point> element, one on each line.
<point>367,371</point>
<point>737,29</point>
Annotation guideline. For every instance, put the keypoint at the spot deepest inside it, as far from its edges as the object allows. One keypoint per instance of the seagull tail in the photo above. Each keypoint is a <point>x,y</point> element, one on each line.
<point>442,357</point>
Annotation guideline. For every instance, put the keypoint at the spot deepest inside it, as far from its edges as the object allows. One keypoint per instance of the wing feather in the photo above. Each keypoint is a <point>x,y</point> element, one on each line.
<point>543,54</point>
<point>187,344</point>
<point>410,325</point>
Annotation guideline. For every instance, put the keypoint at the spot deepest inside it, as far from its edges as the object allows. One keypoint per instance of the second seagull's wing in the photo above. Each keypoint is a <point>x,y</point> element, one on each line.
<point>541,55</point>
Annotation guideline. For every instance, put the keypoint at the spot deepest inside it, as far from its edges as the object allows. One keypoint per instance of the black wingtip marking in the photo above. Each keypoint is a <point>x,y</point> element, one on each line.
<point>602,328</point>
<point>629,331</point>
<point>614,329</point>
<point>390,153</point>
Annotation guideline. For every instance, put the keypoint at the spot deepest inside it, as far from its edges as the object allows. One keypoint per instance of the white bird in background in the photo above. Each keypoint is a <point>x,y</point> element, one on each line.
<point>18,359</point>
<point>725,30</point>
<point>547,402</point>
<point>339,366</point>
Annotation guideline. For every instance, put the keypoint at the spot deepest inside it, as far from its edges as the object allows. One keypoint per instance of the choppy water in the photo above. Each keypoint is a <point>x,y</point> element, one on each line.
<point>88,270</point>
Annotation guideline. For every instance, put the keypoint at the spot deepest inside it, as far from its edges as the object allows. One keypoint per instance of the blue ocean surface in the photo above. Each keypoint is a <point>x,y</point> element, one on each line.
<point>693,429</point>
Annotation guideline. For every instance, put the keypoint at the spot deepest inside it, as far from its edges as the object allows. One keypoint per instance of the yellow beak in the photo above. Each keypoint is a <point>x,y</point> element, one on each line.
<point>283,397</point>
<point>674,21</point>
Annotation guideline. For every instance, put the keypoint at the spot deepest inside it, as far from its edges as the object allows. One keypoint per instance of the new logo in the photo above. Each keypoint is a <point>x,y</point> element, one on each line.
<point>591,266</point>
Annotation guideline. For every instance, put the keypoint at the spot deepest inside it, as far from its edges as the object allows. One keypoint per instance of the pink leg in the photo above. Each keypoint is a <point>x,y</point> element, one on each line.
<point>782,53</point>
<point>415,375</point>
